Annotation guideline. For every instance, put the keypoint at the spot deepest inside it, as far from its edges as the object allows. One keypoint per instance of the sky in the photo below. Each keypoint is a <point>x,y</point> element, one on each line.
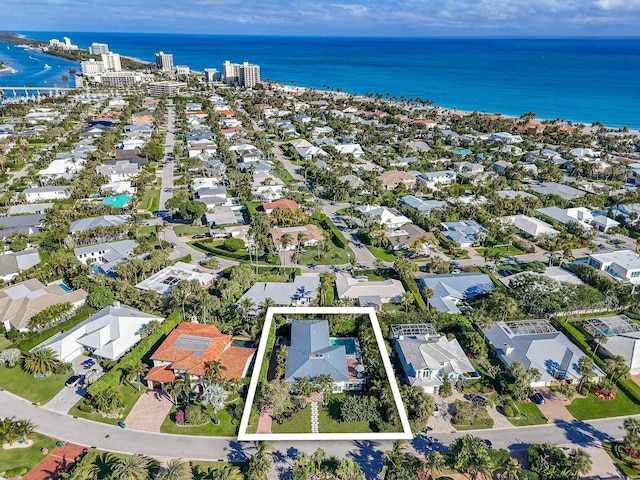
<point>371,18</point>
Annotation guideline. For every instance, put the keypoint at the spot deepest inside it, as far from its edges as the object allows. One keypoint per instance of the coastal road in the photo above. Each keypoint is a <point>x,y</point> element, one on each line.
<point>107,437</point>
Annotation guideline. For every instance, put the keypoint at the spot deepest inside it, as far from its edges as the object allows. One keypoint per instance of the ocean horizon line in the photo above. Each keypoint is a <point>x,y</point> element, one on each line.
<point>324,37</point>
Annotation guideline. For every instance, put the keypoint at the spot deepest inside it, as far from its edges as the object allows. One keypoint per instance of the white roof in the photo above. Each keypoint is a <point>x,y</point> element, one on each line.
<point>530,225</point>
<point>167,278</point>
<point>94,222</point>
<point>349,287</point>
<point>627,259</point>
<point>108,333</point>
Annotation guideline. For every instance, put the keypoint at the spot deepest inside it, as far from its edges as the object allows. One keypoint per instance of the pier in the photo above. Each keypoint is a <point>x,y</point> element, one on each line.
<point>7,92</point>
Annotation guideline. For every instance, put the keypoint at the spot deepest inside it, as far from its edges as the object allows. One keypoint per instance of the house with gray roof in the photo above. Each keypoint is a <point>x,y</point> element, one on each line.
<point>29,224</point>
<point>13,263</point>
<point>312,353</point>
<point>563,191</point>
<point>42,194</point>
<point>26,209</point>
<point>301,292</point>
<point>421,204</point>
<point>451,290</point>
<point>536,344</point>
<point>103,221</point>
<point>428,357</point>
<point>463,232</point>
<point>369,293</point>
<point>105,256</point>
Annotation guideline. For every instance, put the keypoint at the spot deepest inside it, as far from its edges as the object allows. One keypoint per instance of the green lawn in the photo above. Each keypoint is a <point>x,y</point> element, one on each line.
<point>130,395</point>
<point>182,230</point>
<point>150,200</point>
<point>381,253</point>
<point>327,424</point>
<point>504,251</point>
<point>592,407</point>
<point>225,429</point>
<point>334,256</point>
<point>630,471</point>
<point>530,414</point>
<point>286,177</point>
<point>4,343</point>
<point>26,457</point>
<point>21,383</point>
<point>299,423</point>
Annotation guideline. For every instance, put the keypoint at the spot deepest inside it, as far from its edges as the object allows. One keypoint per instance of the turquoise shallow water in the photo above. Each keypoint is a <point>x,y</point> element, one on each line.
<point>583,80</point>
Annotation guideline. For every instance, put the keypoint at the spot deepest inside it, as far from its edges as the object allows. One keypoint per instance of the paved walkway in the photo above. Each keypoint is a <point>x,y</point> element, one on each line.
<point>314,418</point>
<point>149,412</point>
<point>58,462</point>
<point>499,420</point>
<point>264,422</point>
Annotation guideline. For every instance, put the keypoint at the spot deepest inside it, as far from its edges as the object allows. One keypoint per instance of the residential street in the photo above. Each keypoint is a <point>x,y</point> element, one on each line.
<point>167,165</point>
<point>107,437</point>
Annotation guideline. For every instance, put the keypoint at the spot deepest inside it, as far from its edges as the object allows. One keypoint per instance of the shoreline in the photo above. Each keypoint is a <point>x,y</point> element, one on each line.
<point>40,45</point>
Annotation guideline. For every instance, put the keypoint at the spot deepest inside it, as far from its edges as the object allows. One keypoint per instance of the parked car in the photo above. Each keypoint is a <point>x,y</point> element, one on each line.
<point>477,399</point>
<point>538,398</point>
<point>199,236</point>
<point>74,381</point>
<point>88,363</point>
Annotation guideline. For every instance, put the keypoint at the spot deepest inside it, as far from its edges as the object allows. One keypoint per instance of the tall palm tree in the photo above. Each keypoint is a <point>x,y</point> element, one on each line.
<point>264,448</point>
<point>136,371</point>
<point>131,467</point>
<point>176,469</point>
<point>25,428</point>
<point>40,361</point>
<point>580,462</point>
<point>9,431</point>
<point>214,371</point>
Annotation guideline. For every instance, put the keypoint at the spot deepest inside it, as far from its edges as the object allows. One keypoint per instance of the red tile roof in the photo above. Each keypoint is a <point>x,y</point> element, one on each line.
<point>234,358</point>
<point>284,204</point>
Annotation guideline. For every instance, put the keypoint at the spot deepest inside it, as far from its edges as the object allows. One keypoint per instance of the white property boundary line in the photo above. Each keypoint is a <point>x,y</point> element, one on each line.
<point>406,429</point>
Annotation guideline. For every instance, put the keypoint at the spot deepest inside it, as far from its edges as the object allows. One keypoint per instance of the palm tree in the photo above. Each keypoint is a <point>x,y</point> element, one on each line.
<point>511,470</point>
<point>176,469</point>
<point>264,448</point>
<point>214,371</point>
<point>131,467</point>
<point>182,386</point>
<point>407,299</point>
<point>25,428</point>
<point>9,431</point>
<point>136,371</point>
<point>616,368</point>
<point>40,361</point>
<point>435,463</point>
<point>395,457</point>
<point>81,471</point>
<point>600,338</point>
<point>579,462</point>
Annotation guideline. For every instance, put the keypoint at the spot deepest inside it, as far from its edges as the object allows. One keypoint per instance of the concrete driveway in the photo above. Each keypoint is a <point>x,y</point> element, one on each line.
<point>69,396</point>
<point>554,407</point>
<point>149,412</point>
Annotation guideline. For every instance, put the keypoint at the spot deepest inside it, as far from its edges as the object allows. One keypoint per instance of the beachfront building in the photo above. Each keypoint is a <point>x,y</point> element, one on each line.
<point>164,62</point>
<point>428,357</point>
<point>312,353</point>
<point>245,75</point>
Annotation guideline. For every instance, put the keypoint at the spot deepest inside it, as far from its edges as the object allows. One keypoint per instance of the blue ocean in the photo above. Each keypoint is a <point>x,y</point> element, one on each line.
<point>583,80</point>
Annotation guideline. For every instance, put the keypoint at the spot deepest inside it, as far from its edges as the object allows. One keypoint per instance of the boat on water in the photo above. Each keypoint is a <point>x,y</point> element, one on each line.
<point>46,65</point>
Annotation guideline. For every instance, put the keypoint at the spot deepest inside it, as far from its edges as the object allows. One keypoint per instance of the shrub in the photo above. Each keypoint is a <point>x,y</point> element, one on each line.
<point>10,357</point>
<point>85,408</point>
<point>508,411</point>
<point>16,472</point>
<point>194,415</point>
<point>100,297</point>
<point>233,244</point>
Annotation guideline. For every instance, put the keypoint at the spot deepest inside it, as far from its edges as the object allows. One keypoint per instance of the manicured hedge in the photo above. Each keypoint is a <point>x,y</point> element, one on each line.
<point>271,342</point>
<point>113,378</point>
<point>411,286</point>
<point>207,246</point>
<point>80,315</point>
<point>327,224</point>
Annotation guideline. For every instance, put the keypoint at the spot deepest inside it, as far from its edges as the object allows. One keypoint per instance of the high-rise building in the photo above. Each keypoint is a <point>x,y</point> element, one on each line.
<point>111,62</point>
<point>249,75</point>
<point>164,61</point>
<point>245,74</point>
<point>98,48</point>
<point>91,67</point>
<point>212,75</point>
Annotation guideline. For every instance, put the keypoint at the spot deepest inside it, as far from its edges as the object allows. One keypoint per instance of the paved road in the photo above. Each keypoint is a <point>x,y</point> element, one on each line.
<point>182,249</point>
<point>167,167</point>
<point>290,167</point>
<point>107,437</point>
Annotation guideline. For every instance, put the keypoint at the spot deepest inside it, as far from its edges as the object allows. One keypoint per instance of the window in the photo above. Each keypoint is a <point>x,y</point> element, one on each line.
<point>635,274</point>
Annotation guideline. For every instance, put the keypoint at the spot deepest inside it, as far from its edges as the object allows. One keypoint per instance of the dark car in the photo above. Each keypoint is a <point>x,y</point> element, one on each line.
<point>538,398</point>
<point>199,236</point>
<point>477,399</point>
<point>88,363</point>
<point>487,442</point>
<point>74,381</point>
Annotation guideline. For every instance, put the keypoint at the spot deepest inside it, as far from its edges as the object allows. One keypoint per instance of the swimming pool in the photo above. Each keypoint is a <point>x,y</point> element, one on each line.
<point>65,287</point>
<point>349,344</point>
<point>118,201</point>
